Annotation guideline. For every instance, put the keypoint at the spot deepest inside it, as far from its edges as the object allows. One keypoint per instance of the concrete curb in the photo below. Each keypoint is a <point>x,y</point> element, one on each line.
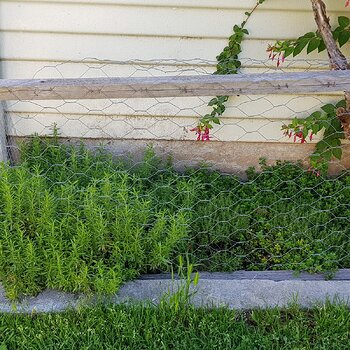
<point>238,290</point>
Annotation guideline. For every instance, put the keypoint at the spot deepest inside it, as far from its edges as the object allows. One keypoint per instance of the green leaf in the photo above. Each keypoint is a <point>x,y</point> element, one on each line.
<point>213,102</point>
<point>343,21</point>
<point>327,155</point>
<point>237,29</point>
<point>288,51</point>
<point>205,118</point>
<point>328,108</point>
<point>321,146</point>
<point>195,280</point>
<point>313,44</point>
<point>216,120</point>
<point>315,128</point>
<point>336,125</point>
<point>300,46</point>
<point>308,35</point>
<point>337,152</point>
<point>343,38</point>
<point>222,99</point>
<point>315,115</point>
<point>332,142</point>
<point>322,46</point>
<point>315,156</point>
<point>341,103</point>
<point>336,33</point>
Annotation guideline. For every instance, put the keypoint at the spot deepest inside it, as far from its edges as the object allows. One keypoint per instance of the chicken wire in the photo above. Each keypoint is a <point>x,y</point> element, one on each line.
<point>282,218</point>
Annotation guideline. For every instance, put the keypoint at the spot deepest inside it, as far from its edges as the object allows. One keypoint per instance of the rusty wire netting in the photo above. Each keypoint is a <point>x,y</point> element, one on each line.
<point>281,218</point>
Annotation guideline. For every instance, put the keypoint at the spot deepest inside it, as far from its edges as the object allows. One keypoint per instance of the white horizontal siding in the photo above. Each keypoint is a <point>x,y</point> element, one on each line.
<point>36,37</point>
<point>249,119</point>
<point>65,47</point>
<point>142,127</point>
<point>197,22</point>
<point>296,5</point>
<point>257,107</point>
<point>78,29</point>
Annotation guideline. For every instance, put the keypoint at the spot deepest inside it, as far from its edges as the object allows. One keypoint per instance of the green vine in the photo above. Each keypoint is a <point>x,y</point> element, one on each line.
<point>302,130</point>
<point>325,120</point>
<point>311,41</point>
<point>228,63</point>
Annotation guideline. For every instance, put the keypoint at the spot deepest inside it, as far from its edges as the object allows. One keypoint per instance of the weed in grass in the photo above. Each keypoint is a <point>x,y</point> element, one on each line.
<point>185,288</point>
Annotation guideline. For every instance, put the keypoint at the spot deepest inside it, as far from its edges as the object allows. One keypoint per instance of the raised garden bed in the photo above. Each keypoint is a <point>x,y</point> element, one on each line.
<point>79,221</point>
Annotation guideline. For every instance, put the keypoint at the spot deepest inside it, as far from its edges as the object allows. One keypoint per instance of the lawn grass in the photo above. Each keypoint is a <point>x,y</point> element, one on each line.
<point>76,220</point>
<point>163,327</point>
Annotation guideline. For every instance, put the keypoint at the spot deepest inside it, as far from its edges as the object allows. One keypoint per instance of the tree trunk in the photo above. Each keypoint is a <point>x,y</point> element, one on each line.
<point>337,60</point>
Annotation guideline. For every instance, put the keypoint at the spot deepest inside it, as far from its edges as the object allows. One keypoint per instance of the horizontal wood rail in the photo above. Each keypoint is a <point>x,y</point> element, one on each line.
<point>175,86</point>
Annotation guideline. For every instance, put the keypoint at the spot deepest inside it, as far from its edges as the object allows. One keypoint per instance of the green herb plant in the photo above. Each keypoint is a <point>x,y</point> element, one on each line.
<point>77,220</point>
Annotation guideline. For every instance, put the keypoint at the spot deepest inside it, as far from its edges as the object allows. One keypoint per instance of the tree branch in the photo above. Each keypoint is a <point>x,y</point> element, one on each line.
<point>336,59</point>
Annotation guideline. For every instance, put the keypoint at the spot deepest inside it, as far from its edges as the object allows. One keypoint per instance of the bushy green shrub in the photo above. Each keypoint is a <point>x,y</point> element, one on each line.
<point>281,218</point>
<point>73,221</point>
<point>81,221</point>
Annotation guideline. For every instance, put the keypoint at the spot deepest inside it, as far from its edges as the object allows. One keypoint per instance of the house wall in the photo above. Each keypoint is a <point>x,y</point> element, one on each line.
<point>87,38</point>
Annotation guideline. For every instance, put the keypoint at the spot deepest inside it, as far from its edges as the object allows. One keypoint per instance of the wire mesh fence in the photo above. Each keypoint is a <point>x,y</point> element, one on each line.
<point>111,188</point>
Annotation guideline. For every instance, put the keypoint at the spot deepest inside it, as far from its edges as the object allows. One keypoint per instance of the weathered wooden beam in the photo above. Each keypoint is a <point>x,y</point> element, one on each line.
<point>179,86</point>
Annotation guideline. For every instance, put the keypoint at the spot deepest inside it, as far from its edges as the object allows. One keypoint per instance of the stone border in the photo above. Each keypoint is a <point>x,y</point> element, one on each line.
<point>341,275</point>
<point>238,290</point>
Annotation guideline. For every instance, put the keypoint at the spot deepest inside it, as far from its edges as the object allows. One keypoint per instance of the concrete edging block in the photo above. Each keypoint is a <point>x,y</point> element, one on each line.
<point>238,290</point>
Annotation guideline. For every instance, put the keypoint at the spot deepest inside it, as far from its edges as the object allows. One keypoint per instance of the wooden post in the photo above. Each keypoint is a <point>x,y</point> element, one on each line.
<point>3,142</point>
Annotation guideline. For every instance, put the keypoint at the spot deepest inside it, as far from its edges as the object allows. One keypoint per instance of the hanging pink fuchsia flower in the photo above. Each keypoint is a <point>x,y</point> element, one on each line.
<point>347,3</point>
<point>275,52</point>
<point>205,135</point>
<point>198,132</point>
<point>298,131</point>
<point>202,135</point>
<point>280,59</point>
<point>297,134</point>
<point>288,133</point>
<point>270,49</point>
<point>313,170</point>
